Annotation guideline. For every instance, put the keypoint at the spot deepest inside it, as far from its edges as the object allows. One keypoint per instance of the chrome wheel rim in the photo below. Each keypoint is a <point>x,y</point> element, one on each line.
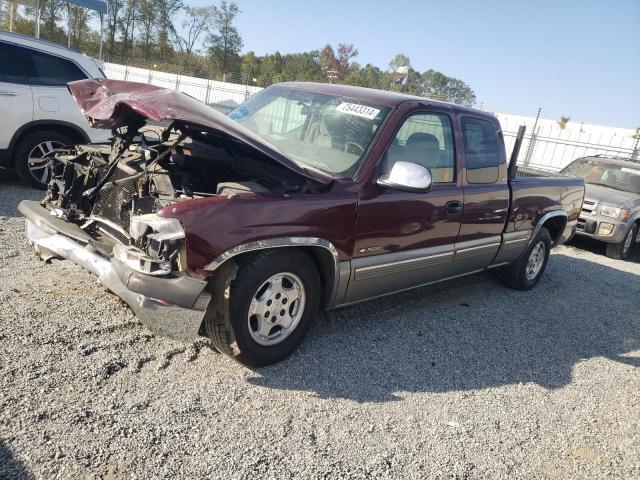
<point>38,161</point>
<point>276,308</point>
<point>627,242</point>
<point>536,260</point>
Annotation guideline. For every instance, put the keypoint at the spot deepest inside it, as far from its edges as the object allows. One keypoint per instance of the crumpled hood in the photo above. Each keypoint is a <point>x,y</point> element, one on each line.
<point>116,103</point>
<point>611,196</point>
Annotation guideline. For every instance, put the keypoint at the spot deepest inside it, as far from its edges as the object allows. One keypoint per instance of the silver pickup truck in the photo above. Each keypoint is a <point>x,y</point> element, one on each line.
<point>611,209</point>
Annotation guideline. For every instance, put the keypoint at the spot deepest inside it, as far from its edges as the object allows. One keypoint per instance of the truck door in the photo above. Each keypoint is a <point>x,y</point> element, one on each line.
<point>403,238</point>
<point>486,194</point>
<point>16,101</point>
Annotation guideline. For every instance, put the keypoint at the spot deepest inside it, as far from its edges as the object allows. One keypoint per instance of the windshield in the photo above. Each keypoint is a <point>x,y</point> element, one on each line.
<point>327,132</point>
<point>597,172</point>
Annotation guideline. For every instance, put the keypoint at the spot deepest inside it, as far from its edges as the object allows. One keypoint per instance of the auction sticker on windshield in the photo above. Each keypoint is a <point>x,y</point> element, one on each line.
<point>358,110</point>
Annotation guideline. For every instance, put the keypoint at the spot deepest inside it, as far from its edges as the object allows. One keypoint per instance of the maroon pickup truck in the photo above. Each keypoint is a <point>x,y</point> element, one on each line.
<point>307,197</point>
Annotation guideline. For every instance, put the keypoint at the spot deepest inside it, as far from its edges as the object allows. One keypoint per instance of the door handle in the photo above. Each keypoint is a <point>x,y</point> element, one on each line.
<point>6,93</point>
<point>453,207</point>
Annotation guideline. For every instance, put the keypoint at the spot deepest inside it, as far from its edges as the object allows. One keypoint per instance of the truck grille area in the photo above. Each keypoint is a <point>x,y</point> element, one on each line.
<point>586,226</point>
<point>588,207</point>
<point>113,203</point>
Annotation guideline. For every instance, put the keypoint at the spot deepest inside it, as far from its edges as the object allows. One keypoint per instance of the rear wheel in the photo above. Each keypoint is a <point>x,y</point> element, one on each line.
<point>620,251</point>
<point>274,299</point>
<point>525,272</point>
<point>32,156</point>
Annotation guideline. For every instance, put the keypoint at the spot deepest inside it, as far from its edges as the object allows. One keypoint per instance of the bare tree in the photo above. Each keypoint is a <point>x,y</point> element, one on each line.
<point>197,22</point>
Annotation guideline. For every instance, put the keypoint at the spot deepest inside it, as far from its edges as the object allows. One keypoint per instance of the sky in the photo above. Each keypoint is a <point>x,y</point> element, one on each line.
<point>571,58</point>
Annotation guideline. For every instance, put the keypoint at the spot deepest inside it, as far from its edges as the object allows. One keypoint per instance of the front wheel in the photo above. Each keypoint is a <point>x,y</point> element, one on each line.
<point>620,251</point>
<point>525,272</point>
<point>274,299</point>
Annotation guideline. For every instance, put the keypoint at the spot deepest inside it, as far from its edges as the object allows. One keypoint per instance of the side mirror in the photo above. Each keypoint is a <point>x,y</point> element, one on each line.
<point>407,176</point>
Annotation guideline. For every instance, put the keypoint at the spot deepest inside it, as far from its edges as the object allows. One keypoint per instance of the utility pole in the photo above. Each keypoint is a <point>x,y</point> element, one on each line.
<point>37,18</point>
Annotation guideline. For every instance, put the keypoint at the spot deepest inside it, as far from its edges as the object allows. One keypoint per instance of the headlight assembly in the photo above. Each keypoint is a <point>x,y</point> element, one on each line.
<point>163,228</point>
<point>160,239</point>
<point>613,212</point>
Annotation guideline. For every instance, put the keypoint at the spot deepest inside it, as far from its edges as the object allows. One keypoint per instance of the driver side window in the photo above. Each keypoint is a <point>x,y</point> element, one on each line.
<point>427,140</point>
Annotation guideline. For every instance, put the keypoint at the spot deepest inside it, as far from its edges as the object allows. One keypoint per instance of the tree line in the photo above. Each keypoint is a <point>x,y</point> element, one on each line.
<point>169,36</point>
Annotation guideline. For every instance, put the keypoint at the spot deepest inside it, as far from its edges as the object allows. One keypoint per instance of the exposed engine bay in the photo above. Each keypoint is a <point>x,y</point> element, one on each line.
<point>112,191</point>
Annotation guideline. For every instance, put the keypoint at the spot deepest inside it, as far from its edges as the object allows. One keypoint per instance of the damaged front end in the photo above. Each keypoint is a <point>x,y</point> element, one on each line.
<point>101,206</point>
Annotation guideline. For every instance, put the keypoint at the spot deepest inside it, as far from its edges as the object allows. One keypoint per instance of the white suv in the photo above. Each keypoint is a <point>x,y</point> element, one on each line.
<point>37,112</point>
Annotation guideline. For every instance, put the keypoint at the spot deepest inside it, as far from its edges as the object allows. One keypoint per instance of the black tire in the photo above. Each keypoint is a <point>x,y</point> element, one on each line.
<point>24,148</point>
<point>515,275</point>
<point>621,251</point>
<point>252,273</point>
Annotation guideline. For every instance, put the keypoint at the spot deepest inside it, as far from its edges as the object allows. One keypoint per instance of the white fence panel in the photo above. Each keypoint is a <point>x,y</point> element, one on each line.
<point>552,148</point>
<point>549,147</point>
<point>224,96</point>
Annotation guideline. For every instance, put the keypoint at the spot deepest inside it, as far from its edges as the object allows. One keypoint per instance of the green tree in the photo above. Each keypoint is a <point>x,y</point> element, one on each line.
<point>80,33</point>
<point>148,16</point>
<point>51,14</point>
<point>562,123</point>
<point>115,9</point>
<point>400,60</point>
<point>225,42</point>
<point>437,85</point>
<point>166,28</point>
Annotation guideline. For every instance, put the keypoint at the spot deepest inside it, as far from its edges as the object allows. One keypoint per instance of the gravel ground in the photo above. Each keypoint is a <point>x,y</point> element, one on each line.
<point>467,380</point>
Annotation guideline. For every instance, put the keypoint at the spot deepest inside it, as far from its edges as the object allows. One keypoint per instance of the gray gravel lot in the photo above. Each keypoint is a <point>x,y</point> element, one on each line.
<point>465,380</point>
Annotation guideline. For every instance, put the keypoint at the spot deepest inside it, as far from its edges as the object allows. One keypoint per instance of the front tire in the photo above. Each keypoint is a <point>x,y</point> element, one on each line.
<point>274,300</point>
<point>525,272</point>
<point>31,163</point>
<point>620,251</point>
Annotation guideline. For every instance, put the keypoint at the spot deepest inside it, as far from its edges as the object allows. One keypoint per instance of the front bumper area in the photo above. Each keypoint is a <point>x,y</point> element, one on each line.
<point>162,318</point>
<point>589,226</point>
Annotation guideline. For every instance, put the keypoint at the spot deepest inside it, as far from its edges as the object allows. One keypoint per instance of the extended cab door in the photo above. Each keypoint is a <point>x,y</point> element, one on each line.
<point>486,193</point>
<point>16,101</point>
<point>403,238</point>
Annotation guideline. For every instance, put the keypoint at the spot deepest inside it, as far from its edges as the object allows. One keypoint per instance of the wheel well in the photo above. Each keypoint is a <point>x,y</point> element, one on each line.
<point>321,257</point>
<point>556,226</point>
<point>73,133</point>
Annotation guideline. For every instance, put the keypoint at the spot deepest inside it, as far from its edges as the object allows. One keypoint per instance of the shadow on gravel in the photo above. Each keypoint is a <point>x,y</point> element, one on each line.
<point>12,192</point>
<point>600,248</point>
<point>475,335</point>
<point>10,467</point>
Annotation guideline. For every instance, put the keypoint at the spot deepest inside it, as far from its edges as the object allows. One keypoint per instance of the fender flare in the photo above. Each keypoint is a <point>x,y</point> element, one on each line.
<point>284,242</point>
<point>547,216</point>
